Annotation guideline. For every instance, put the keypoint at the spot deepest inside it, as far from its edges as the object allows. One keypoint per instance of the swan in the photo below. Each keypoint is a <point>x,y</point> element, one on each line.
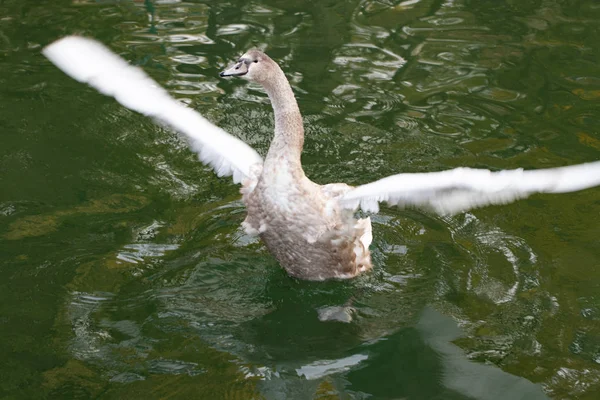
<point>309,228</point>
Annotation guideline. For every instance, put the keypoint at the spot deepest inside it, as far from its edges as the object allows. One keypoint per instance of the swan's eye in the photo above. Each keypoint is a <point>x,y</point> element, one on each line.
<point>255,61</point>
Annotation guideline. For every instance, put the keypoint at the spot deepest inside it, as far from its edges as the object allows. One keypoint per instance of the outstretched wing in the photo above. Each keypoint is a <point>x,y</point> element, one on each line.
<point>460,189</point>
<point>89,61</point>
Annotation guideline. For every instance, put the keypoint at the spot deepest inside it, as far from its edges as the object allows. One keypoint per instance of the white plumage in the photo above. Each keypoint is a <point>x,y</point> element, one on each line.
<point>460,189</point>
<point>90,62</point>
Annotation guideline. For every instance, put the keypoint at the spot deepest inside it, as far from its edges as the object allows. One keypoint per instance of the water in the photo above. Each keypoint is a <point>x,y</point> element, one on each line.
<point>123,269</point>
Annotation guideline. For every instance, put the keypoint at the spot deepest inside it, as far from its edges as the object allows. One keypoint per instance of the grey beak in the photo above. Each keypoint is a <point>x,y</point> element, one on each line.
<point>238,69</point>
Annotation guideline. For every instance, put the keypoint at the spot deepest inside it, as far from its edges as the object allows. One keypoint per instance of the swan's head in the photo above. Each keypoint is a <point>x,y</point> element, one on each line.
<point>254,66</point>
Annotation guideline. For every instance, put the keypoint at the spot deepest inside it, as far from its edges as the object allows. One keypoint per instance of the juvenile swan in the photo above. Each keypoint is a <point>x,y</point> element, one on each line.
<point>309,228</point>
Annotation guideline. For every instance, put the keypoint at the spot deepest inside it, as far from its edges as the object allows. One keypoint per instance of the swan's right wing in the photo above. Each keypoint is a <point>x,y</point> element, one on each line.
<point>460,189</point>
<point>88,61</point>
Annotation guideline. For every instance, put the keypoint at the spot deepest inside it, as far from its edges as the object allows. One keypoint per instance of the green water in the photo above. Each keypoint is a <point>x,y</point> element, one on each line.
<point>123,269</point>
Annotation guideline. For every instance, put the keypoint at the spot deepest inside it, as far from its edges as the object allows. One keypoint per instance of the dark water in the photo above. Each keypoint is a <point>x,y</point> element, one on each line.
<point>123,269</point>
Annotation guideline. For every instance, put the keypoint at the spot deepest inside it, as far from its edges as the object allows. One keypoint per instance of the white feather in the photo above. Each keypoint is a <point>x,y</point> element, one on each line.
<point>460,189</point>
<point>90,62</point>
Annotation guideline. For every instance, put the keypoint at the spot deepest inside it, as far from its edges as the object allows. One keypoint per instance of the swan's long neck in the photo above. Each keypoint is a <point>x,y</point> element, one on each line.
<point>289,132</point>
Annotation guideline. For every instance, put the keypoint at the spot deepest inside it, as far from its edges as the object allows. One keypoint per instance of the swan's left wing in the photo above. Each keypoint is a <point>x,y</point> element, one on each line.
<point>89,61</point>
<point>460,189</point>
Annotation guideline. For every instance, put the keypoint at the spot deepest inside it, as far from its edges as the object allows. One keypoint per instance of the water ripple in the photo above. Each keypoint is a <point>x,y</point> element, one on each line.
<point>386,87</point>
<point>136,253</point>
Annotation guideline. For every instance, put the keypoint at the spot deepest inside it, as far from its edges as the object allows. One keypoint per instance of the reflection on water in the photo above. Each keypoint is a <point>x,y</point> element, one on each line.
<point>126,273</point>
<point>322,368</point>
<point>286,330</point>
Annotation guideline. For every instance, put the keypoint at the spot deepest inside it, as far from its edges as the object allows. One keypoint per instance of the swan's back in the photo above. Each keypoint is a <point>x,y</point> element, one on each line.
<point>304,228</point>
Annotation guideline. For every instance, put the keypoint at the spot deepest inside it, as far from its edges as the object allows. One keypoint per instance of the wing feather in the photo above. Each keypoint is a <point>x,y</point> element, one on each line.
<point>460,189</point>
<point>88,61</point>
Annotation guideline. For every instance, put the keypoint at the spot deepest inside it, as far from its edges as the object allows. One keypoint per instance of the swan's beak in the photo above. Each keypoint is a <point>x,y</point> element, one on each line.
<point>238,69</point>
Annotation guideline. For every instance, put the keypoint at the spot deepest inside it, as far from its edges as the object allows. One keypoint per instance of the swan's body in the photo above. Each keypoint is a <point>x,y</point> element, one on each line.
<point>300,222</point>
<point>309,228</point>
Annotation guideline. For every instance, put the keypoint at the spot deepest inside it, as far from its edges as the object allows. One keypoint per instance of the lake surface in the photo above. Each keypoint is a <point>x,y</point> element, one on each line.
<point>124,272</point>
